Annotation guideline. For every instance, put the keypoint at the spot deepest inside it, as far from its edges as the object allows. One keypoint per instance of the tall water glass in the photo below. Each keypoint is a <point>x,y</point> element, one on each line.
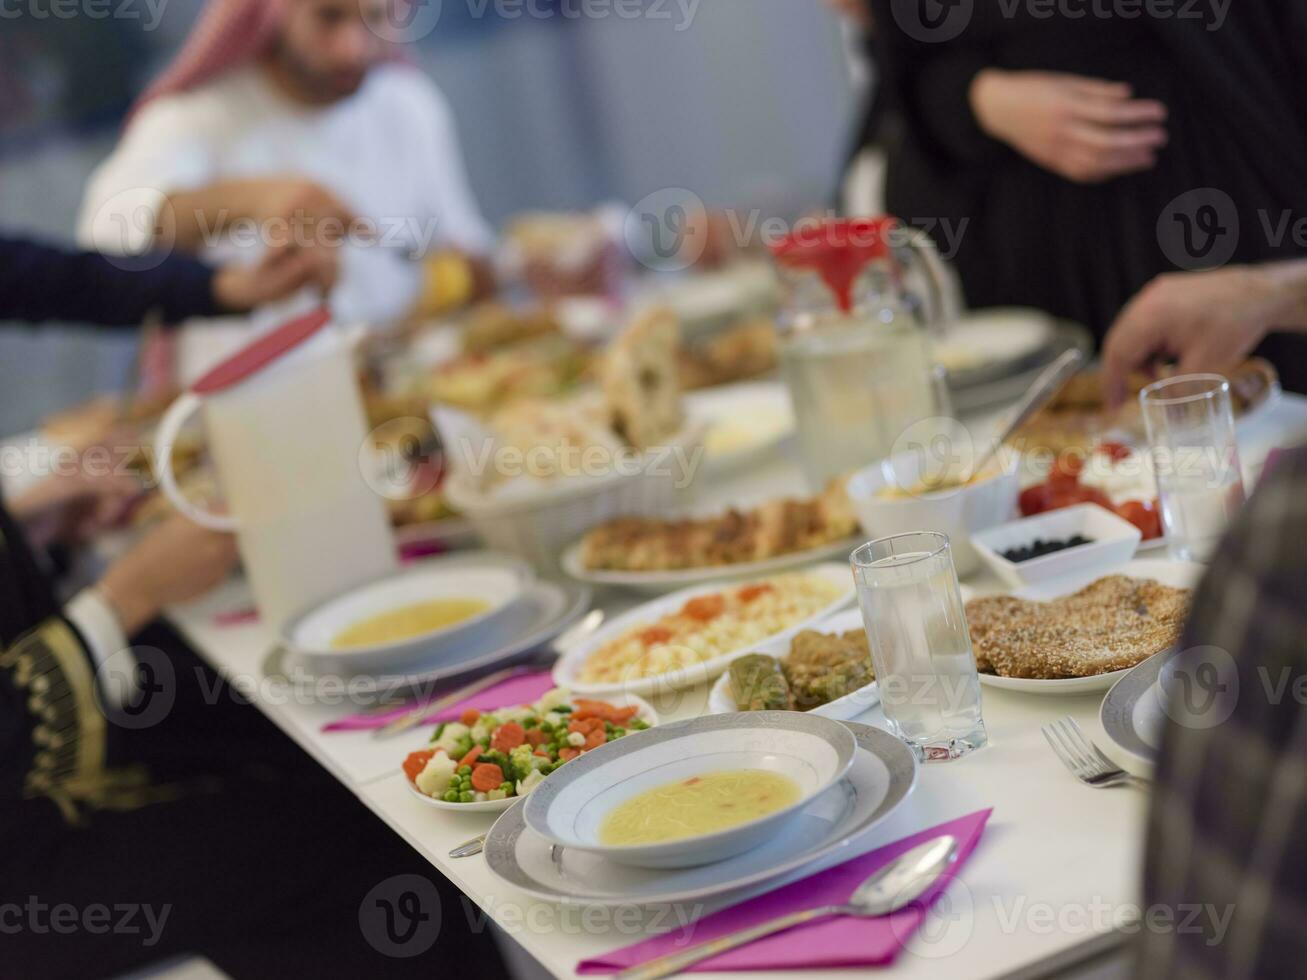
<point>1196,459</point>
<point>920,645</point>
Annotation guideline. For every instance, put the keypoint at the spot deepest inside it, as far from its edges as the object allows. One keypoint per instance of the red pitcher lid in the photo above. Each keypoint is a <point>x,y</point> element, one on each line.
<point>838,249</point>
<point>254,357</point>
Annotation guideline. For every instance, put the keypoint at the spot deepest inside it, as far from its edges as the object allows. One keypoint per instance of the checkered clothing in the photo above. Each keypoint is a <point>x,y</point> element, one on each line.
<point>1228,828</point>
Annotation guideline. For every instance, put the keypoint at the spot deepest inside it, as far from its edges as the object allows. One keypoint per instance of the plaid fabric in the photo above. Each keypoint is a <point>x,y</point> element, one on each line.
<point>1227,836</point>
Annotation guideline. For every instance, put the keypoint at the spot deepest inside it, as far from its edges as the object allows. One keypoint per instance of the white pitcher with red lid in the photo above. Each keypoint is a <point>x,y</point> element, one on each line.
<point>285,425</point>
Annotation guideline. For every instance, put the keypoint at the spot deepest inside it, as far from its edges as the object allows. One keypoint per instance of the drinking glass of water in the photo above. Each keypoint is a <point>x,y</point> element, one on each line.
<point>1196,459</point>
<point>920,645</point>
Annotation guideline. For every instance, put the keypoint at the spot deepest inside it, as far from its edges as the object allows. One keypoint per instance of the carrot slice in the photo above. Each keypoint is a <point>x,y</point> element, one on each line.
<point>471,757</point>
<point>487,776</point>
<point>534,736</point>
<point>470,717</point>
<point>594,739</point>
<point>416,762</point>
<point>568,754</point>
<point>508,736</point>
<point>705,607</point>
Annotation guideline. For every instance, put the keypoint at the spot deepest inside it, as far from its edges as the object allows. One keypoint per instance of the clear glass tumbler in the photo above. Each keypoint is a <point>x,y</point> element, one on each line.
<point>1196,459</point>
<point>920,645</point>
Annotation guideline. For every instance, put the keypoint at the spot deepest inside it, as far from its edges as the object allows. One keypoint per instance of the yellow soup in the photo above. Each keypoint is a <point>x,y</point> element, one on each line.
<point>407,622</point>
<point>699,805</point>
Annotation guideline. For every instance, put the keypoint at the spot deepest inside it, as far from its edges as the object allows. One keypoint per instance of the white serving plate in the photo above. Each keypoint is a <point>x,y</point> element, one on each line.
<point>646,714</point>
<point>569,808</point>
<point>497,580</point>
<point>1180,574</point>
<point>757,414</point>
<point>542,614</point>
<point>722,701</point>
<point>1113,542</point>
<point>880,779</point>
<point>987,341</point>
<point>567,670</point>
<point>660,583</point>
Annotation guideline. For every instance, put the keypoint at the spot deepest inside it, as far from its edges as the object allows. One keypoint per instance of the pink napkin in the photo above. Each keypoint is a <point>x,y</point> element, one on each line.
<point>522,687</point>
<point>824,944</point>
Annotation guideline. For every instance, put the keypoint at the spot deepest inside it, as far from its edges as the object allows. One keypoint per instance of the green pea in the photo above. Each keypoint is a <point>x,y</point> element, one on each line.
<point>465,797</point>
<point>464,770</point>
<point>506,786</point>
<point>451,796</point>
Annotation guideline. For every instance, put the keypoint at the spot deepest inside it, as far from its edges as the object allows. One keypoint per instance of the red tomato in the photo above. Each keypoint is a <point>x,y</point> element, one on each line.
<point>1034,500</point>
<point>1143,515</point>
<point>705,607</point>
<point>1065,473</point>
<point>416,762</point>
<point>1115,451</point>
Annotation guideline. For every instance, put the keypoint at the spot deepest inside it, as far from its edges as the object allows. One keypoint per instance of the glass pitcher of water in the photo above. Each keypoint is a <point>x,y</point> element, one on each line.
<point>860,300</point>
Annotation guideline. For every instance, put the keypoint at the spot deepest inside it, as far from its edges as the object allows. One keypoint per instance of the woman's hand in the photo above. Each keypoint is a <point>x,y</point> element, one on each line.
<point>1084,129</point>
<point>176,562</point>
<point>1208,321</point>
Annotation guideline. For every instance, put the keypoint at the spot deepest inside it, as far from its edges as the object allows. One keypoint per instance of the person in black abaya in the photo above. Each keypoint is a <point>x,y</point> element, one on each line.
<point>1090,154</point>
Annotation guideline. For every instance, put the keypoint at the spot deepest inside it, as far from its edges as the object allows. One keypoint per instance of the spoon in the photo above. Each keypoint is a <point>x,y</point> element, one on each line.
<point>1048,384</point>
<point>888,889</point>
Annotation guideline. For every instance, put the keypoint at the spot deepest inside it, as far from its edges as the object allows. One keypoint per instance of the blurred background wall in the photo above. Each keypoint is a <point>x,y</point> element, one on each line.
<point>750,104</point>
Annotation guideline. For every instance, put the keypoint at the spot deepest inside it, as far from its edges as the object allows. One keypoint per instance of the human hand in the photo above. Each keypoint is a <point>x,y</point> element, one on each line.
<point>283,270</point>
<point>177,561</point>
<point>1084,129</point>
<point>72,508</point>
<point>1209,321</point>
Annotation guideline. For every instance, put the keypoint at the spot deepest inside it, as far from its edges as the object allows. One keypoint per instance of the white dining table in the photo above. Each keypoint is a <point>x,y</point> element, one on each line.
<point>1054,881</point>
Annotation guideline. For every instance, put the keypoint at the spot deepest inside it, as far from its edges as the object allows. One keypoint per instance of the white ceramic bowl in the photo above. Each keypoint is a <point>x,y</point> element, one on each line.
<point>569,807</point>
<point>645,714</point>
<point>496,580</point>
<point>1114,542</point>
<point>958,512</point>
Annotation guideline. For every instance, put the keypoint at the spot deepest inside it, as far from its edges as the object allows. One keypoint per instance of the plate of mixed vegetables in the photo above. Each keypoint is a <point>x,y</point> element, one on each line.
<point>488,760</point>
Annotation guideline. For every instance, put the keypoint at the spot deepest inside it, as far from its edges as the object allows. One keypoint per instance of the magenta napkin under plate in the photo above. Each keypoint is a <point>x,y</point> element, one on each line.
<point>827,943</point>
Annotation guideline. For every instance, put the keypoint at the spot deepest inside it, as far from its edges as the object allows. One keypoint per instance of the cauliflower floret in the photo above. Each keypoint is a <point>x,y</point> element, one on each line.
<point>519,714</point>
<point>552,699</point>
<point>521,757</point>
<point>451,736</point>
<point>575,739</point>
<point>525,786</point>
<point>497,794</point>
<point>485,727</point>
<point>436,775</point>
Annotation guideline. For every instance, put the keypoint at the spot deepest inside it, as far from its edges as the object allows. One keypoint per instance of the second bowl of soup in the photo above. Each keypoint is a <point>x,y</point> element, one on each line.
<point>692,792</point>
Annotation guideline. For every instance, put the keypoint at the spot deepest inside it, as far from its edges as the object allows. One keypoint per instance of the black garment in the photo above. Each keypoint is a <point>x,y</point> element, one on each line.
<point>1237,101</point>
<point>262,860</point>
<point>38,282</point>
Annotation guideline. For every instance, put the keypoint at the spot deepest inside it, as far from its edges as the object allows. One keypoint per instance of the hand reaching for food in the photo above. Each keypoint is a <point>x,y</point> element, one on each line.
<point>1087,130</point>
<point>282,271</point>
<point>176,562</point>
<point>1209,321</point>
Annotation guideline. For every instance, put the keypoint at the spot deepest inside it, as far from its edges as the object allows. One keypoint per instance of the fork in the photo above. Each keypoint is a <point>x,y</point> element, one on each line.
<point>1083,758</point>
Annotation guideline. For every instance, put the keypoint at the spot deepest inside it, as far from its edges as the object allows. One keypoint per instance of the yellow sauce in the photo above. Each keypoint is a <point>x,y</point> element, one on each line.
<point>407,622</point>
<point>699,805</point>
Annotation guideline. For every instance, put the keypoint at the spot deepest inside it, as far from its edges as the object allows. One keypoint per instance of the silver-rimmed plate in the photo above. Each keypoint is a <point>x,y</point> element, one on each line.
<point>882,776</point>
<point>1133,714</point>
<point>543,612</point>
